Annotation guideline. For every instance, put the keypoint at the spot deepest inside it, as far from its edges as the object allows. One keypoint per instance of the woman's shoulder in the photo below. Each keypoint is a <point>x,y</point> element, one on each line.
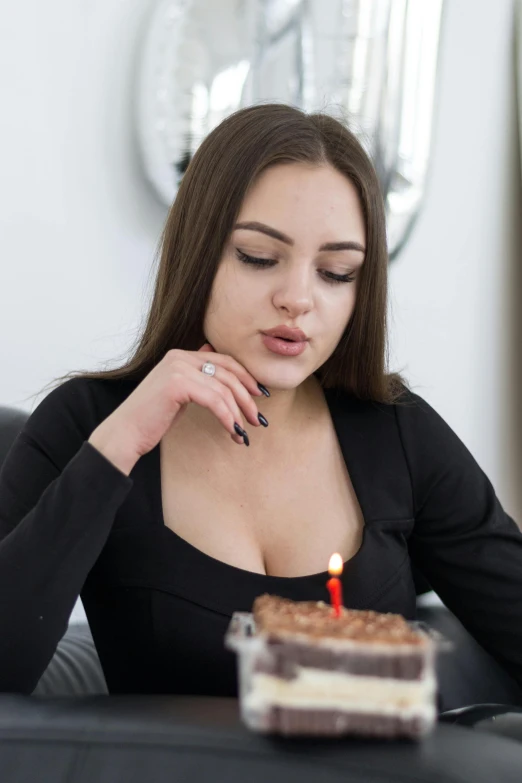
<point>409,413</point>
<point>77,406</point>
<point>402,399</point>
<point>425,433</point>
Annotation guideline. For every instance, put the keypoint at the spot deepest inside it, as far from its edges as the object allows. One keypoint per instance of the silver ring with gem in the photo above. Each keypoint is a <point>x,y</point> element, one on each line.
<point>209,368</point>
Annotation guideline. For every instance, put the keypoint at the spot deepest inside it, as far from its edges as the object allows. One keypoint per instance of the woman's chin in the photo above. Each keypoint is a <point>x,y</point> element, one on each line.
<point>283,379</point>
<point>277,373</point>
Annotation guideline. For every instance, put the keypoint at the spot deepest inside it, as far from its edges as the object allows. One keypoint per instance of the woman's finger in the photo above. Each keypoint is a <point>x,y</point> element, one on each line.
<point>230,364</point>
<point>216,397</point>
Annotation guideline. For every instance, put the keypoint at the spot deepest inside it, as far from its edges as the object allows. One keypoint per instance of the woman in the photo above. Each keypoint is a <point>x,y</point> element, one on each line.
<point>133,487</point>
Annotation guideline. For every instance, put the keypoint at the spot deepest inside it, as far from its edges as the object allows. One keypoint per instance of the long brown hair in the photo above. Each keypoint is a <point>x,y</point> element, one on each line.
<point>203,215</point>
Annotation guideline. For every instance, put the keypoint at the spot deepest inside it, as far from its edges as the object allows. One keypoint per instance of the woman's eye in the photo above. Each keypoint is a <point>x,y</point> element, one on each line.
<point>329,277</point>
<point>253,260</point>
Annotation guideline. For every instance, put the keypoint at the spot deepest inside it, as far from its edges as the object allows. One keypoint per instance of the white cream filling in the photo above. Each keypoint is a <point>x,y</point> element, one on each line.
<point>319,689</point>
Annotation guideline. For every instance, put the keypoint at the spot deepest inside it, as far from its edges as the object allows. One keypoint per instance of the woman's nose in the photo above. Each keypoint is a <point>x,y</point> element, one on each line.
<point>294,293</point>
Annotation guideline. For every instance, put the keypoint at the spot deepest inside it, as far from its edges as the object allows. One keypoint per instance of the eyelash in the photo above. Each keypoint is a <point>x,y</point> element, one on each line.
<point>330,277</point>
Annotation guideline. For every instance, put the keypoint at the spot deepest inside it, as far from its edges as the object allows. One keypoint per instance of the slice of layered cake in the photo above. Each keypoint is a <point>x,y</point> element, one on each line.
<point>305,671</point>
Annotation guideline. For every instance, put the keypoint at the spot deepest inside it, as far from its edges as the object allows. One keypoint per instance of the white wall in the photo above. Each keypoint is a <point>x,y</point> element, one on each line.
<point>456,287</point>
<point>78,226</point>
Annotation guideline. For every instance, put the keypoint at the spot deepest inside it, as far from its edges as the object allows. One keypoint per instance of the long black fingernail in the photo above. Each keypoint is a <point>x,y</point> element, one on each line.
<point>263,389</point>
<point>262,420</point>
<point>240,431</point>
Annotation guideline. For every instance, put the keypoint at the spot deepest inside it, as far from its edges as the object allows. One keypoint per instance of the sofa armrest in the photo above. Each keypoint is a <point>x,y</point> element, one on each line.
<point>116,739</point>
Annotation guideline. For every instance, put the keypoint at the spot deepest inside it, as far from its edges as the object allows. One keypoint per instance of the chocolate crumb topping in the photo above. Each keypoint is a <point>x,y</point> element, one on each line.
<point>280,617</point>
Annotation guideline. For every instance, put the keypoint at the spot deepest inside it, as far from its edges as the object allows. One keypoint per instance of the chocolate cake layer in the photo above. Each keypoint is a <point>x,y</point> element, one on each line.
<point>315,620</point>
<point>282,659</point>
<point>284,720</point>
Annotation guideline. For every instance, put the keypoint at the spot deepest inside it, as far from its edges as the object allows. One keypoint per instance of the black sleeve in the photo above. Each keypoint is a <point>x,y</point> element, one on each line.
<point>58,499</point>
<point>464,542</point>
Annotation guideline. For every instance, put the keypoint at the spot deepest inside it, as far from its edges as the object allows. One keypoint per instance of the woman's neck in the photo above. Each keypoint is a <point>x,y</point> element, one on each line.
<point>289,412</point>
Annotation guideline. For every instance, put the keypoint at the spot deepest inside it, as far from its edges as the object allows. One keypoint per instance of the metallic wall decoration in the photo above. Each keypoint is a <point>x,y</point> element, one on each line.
<point>370,62</point>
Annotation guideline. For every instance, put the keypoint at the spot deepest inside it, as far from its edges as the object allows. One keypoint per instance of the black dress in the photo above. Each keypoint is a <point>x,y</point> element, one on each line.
<point>71,523</point>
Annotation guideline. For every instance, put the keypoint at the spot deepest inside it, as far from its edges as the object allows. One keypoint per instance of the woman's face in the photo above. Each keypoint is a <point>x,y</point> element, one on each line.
<point>287,217</point>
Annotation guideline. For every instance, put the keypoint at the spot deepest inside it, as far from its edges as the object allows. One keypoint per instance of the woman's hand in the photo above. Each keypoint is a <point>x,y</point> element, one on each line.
<point>139,423</point>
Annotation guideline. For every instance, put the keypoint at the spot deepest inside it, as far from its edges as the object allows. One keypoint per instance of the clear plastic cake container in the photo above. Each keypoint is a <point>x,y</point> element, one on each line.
<point>270,712</point>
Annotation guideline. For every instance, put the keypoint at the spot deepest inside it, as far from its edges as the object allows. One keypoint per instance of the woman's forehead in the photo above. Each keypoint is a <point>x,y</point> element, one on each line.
<point>297,198</point>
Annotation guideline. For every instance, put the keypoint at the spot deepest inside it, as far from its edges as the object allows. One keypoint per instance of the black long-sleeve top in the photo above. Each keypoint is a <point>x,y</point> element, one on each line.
<point>71,524</point>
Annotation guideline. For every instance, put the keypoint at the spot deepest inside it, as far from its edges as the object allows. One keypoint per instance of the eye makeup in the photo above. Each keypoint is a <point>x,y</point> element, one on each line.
<point>263,263</point>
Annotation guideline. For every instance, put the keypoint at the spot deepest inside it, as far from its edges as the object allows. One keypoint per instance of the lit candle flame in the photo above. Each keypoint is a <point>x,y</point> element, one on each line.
<point>335,567</point>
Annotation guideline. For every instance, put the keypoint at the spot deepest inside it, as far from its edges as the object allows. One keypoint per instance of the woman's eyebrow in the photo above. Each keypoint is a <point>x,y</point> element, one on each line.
<point>253,225</point>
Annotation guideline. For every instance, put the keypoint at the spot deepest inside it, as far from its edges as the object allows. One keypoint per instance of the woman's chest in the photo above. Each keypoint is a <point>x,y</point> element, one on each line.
<point>284,519</point>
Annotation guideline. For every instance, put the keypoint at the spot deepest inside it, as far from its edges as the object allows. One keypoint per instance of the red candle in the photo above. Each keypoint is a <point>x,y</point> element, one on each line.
<point>335,569</point>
